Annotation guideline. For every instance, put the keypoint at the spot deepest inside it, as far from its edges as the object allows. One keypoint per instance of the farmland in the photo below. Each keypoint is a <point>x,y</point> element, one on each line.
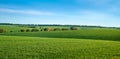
<point>17,47</point>
<point>102,34</point>
<point>84,43</point>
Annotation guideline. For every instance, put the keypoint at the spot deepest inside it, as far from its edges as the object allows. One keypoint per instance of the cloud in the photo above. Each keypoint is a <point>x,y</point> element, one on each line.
<point>30,12</point>
<point>92,17</point>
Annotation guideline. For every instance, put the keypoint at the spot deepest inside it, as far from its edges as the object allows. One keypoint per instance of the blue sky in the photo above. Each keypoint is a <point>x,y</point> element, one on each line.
<point>75,12</point>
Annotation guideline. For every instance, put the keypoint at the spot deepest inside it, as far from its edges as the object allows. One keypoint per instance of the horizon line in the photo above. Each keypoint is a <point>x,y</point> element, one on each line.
<point>55,24</point>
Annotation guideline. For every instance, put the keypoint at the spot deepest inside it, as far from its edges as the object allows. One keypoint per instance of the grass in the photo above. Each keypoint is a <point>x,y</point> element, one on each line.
<point>103,34</point>
<point>86,43</point>
<point>13,28</point>
<point>21,47</point>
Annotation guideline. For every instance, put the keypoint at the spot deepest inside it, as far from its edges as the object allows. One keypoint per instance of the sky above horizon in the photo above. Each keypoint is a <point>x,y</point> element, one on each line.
<point>70,12</point>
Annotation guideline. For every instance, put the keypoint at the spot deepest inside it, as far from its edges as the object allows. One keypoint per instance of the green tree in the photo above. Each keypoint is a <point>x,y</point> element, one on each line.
<point>34,30</point>
<point>22,30</point>
<point>65,29</point>
<point>56,29</point>
<point>1,30</point>
<point>27,30</point>
<point>73,28</point>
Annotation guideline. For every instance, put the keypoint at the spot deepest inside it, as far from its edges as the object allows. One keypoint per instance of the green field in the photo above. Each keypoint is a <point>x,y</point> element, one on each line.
<point>20,47</point>
<point>14,28</point>
<point>101,34</point>
<point>85,43</point>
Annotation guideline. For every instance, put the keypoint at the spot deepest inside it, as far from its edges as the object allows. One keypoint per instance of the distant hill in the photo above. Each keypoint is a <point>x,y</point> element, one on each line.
<point>58,25</point>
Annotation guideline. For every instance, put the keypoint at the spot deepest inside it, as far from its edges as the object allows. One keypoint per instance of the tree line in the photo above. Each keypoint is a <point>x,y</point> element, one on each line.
<point>48,29</point>
<point>58,25</point>
<point>39,29</point>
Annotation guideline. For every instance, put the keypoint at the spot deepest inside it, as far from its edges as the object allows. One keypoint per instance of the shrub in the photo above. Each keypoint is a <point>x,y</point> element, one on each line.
<point>65,29</point>
<point>73,28</point>
<point>22,30</point>
<point>45,29</point>
<point>11,31</point>
<point>34,30</point>
<point>27,30</point>
<point>48,29</point>
<point>1,30</point>
<point>56,29</point>
<point>41,29</point>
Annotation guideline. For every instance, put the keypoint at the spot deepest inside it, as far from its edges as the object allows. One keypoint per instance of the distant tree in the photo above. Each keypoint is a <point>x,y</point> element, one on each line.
<point>45,29</point>
<point>48,29</point>
<point>11,31</point>
<point>41,29</point>
<point>2,30</point>
<point>56,29</point>
<point>65,29</point>
<point>27,30</point>
<point>73,28</point>
<point>22,30</point>
<point>34,30</point>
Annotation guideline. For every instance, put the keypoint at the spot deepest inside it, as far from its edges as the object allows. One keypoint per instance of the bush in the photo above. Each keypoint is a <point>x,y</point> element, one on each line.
<point>11,31</point>
<point>56,29</point>
<point>73,28</point>
<point>48,29</point>
<point>2,30</point>
<point>41,29</point>
<point>22,30</point>
<point>65,29</point>
<point>34,30</point>
<point>27,30</point>
<point>45,29</point>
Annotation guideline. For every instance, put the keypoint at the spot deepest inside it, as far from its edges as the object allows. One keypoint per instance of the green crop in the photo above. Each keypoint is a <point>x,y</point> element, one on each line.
<point>103,34</point>
<point>20,47</point>
<point>85,43</point>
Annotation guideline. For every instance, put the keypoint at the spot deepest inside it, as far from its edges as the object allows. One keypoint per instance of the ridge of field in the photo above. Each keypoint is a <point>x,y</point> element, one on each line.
<point>17,28</point>
<point>103,34</point>
<point>20,47</point>
<point>14,28</point>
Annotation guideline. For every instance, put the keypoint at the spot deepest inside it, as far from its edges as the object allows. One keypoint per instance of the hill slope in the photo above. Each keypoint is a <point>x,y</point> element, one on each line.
<point>103,34</point>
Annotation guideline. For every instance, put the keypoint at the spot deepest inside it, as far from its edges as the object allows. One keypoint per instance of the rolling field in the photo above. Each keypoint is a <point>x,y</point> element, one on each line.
<point>85,43</point>
<point>14,28</point>
<point>102,34</point>
<point>21,47</point>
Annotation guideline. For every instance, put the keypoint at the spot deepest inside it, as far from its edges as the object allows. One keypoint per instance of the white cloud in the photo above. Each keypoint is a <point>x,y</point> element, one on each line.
<point>89,17</point>
<point>31,12</point>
